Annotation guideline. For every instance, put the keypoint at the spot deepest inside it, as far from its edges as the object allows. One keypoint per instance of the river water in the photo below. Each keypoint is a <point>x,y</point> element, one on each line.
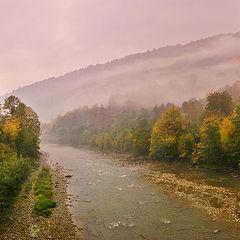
<point>112,202</point>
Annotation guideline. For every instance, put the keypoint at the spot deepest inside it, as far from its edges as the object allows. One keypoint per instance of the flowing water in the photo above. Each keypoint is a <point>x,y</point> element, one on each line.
<point>112,202</point>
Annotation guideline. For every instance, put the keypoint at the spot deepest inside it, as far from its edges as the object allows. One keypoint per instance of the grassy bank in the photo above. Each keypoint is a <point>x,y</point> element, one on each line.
<point>13,173</point>
<point>32,217</point>
<point>44,193</point>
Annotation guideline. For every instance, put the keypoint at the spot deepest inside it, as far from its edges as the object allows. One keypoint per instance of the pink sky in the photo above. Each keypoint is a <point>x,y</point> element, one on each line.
<point>42,38</point>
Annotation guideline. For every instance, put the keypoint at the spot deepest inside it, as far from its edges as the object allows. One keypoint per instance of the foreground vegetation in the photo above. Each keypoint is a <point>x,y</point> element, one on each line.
<point>43,192</point>
<point>21,221</point>
<point>202,132</point>
<point>19,147</point>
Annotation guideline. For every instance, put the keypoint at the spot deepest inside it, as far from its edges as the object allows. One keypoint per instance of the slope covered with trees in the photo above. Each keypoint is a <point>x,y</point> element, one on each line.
<point>19,147</point>
<point>172,73</point>
<point>199,132</point>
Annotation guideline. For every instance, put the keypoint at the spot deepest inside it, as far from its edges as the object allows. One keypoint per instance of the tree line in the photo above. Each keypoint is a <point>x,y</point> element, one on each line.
<point>19,146</point>
<point>203,131</point>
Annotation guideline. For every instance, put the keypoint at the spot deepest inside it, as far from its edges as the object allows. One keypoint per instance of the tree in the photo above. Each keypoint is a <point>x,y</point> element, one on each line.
<point>219,103</point>
<point>211,149</point>
<point>233,90</point>
<point>19,144</point>
<point>230,138</point>
<point>11,128</point>
<point>166,133</point>
<point>28,143</point>
<point>10,104</point>
<point>141,135</point>
<point>107,141</point>
<point>123,141</point>
<point>185,146</point>
<point>192,109</point>
<point>21,126</point>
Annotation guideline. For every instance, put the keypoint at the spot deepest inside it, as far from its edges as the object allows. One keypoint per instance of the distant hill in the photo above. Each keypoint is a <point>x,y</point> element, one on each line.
<point>168,74</point>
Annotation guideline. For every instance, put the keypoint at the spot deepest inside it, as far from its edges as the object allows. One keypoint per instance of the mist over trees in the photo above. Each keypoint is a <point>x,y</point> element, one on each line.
<point>204,131</point>
<point>169,74</point>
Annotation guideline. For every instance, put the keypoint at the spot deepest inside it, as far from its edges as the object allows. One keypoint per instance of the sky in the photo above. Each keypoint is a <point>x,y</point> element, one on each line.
<point>41,38</point>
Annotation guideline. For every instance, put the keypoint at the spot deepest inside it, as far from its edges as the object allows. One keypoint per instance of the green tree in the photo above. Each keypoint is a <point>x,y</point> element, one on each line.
<point>185,146</point>
<point>28,142</point>
<point>210,138</point>
<point>219,103</point>
<point>10,105</point>
<point>123,141</point>
<point>230,138</point>
<point>141,135</point>
<point>108,141</point>
<point>192,109</point>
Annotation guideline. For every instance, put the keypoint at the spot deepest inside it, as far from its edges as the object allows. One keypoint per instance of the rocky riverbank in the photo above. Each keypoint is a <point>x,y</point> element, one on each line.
<point>20,223</point>
<point>215,192</point>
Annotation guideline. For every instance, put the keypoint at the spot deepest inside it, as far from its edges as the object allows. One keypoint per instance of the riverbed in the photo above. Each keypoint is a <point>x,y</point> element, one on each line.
<point>111,201</point>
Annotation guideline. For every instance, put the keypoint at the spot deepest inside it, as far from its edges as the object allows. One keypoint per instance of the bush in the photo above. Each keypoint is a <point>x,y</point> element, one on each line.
<point>13,172</point>
<point>42,206</point>
<point>43,191</point>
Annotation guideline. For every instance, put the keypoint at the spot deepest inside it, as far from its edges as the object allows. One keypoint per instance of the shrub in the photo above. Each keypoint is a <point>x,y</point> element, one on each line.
<point>13,172</point>
<point>44,194</point>
<point>42,206</point>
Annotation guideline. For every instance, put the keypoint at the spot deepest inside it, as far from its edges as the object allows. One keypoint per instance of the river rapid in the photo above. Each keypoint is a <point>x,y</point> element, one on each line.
<point>111,201</point>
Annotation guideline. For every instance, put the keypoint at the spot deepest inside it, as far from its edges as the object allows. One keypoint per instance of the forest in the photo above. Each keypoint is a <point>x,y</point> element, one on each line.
<point>199,132</point>
<point>19,147</point>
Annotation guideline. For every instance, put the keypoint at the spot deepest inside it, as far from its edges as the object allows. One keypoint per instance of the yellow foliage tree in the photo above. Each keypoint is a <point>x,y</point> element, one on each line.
<point>230,140</point>
<point>166,133</point>
<point>11,128</point>
<point>227,130</point>
<point>197,154</point>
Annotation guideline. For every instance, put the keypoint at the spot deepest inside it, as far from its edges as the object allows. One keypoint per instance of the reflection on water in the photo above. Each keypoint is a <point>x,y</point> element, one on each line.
<point>115,204</point>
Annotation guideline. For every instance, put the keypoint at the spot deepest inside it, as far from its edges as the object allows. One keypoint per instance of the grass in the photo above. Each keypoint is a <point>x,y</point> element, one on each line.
<point>28,187</point>
<point>14,171</point>
<point>43,192</point>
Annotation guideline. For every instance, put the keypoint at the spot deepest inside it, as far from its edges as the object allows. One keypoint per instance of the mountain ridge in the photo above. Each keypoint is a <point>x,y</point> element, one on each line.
<point>148,70</point>
<point>88,67</point>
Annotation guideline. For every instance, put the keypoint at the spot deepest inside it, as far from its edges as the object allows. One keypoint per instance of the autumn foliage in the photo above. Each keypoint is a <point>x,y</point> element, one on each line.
<point>200,132</point>
<point>19,146</point>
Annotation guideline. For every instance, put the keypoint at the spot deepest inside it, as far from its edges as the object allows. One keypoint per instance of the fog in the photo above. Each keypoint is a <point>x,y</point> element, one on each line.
<point>171,74</point>
<point>41,39</point>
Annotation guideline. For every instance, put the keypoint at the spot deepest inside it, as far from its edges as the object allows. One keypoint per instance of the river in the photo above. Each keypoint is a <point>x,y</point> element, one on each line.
<point>112,202</point>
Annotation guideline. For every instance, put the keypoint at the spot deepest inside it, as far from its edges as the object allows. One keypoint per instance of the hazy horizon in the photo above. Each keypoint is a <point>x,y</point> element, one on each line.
<point>44,39</point>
